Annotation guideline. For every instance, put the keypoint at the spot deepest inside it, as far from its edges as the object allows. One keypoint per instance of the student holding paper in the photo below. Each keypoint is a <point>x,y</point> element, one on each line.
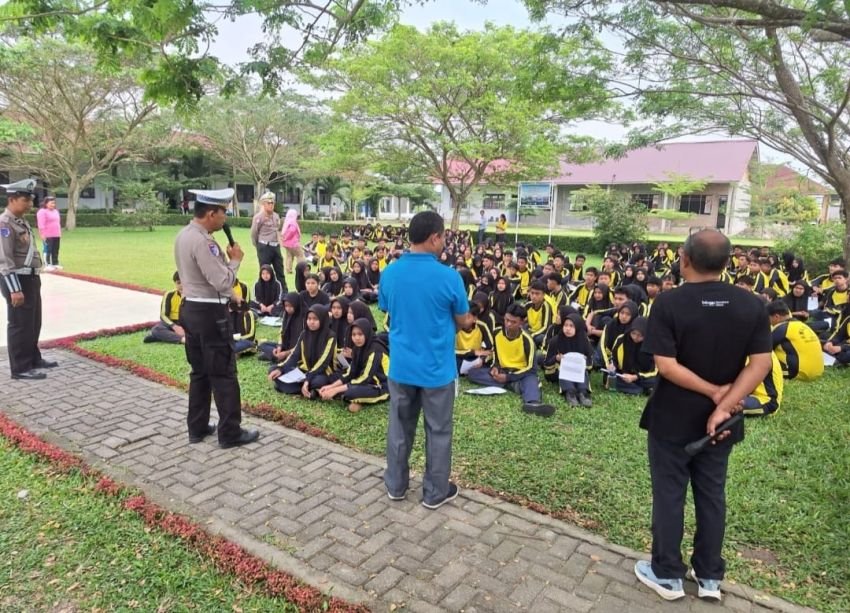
<point>313,356</point>
<point>571,339</point>
<point>473,343</point>
<point>635,369</point>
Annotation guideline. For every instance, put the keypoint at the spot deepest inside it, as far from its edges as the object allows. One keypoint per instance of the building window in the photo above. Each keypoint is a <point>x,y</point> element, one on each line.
<point>493,201</point>
<point>386,205</point>
<point>647,200</point>
<point>576,202</point>
<point>87,192</point>
<point>244,193</point>
<point>693,203</point>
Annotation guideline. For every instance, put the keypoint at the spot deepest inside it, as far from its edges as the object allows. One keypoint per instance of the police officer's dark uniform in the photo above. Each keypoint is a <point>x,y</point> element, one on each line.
<point>20,266</point>
<point>207,280</point>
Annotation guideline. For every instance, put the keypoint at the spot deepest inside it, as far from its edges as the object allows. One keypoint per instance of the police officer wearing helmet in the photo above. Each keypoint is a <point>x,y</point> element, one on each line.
<point>208,279</point>
<point>20,266</point>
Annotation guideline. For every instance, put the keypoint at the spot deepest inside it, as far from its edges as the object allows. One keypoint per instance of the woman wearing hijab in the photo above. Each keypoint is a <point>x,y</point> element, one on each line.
<point>313,355</point>
<point>373,273</point>
<point>290,238</point>
<point>333,284</point>
<point>501,298</point>
<point>302,269</point>
<point>351,289</point>
<point>636,372</point>
<point>268,294</point>
<point>291,327</point>
<point>365,380</point>
<point>368,293</point>
<point>571,338</point>
<point>468,280</point>
<point>596,309</point>
<point>486,314</point>
<point>619,324</point>
<point>797,271</point>
<point>339,321</point>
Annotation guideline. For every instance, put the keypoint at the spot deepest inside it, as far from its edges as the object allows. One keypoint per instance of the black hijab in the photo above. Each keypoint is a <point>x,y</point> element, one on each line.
<point>267,292</point>
<point>600,305</point>
<point>500,300</point>
<point>361,277</point>
<point>798,273</point>
<point>300,269</point>
<point>634,358</point>
<point>374,276</point>
<point>360,310</point>
<point>291,325</point>
<point>355,288</point>
<point>360,355</point>
<point>313,343</point>
<point>579,343</point>
<point>333,288</point>
<point>339,327</point>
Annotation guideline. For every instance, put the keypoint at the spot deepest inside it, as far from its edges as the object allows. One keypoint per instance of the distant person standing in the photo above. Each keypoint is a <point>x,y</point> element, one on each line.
<point>501,228</point>
<point>208,280</point>
<point>712,347</point>
<point>264,236</point>
<point>290,236</point>
<point>482,227</point>
<point>423,320</point>
<point>20,265</point>
<point>50,229</point>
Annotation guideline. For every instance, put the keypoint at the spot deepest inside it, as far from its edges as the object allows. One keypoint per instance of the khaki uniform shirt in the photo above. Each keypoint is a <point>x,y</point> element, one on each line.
<point>264,228</point>
<point>18,252</point>
<point>203,269</point>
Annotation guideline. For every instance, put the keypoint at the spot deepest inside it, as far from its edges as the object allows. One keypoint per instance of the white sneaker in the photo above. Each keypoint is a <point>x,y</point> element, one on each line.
<point>49,268</point>
<point>668,589</point>
<point>709,589</point>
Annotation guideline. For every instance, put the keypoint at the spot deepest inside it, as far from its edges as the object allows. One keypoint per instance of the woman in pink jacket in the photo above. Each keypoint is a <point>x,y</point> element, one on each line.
<point>290,238</point>
<point>50,229</point>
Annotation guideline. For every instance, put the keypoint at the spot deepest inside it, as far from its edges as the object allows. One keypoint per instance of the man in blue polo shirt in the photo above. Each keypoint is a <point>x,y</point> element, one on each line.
<point>426,302</point>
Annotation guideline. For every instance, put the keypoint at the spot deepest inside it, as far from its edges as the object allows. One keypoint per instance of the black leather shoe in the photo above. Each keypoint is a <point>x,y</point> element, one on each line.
<point>46,364</point>
<point>197,438</point>
<point>245,437</point>
<point>30,375</point>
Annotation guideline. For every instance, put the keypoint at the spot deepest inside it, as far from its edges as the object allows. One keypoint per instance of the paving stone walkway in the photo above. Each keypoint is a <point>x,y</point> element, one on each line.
<point>319,510</point>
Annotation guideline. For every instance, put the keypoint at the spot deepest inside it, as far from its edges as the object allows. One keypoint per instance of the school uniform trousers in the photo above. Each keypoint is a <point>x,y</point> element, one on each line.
<point>671,469</point>
<point>526,385</point>
<point>163,333</point>
<point>23,325</point>
<point>315,380</point>
<point>209,351</point>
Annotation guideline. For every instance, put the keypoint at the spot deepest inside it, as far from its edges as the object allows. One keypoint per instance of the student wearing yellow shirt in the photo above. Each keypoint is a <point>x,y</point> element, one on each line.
<point>767,397</point>
<point>475,341</point>
<point>795,344</point>
<point>539,312</point>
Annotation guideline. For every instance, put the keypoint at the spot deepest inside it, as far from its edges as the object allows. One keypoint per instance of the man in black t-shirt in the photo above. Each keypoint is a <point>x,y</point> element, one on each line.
<point>701,335</point>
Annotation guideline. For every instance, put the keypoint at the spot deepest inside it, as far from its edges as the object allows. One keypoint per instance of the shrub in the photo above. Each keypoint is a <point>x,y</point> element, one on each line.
<point>617,219</point>
<point>816,244</point>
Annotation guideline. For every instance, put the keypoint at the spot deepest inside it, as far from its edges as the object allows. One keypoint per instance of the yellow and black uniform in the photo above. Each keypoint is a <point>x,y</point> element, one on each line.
<point>556,300</point>
<point>244,324</point>
<point>540,317</point>
<point>328,261</point>
<point>515,356</point>
<point>824,282</point>
<point>798,349</point>
<point>777,281</point>
<point>313,354</point>
<point>468,342</point>
<point>523,277</point>
<point>581,295</point>
<point>366,376</point>
<point>630,359</point>
<point>834,301</point>
<point>320,247</point>
<point>841,338</point>
<point>169,316</point>
<point>767,397</point>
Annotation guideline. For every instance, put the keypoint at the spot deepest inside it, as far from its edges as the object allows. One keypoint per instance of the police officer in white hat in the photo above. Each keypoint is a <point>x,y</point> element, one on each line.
<point>20,266</point>
<point>208,279</point>
<point>265,235</point>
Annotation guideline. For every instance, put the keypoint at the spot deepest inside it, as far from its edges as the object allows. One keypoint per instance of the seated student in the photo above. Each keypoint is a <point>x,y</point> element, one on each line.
<point>244,324</point>
<point>320,248</point>
<point>636,371</point>
<point>653,288</point>
<point>473,342</point>
<point>268,294</point>
<point>838,344</point>
<point>302,269</point>
<point>339,322</point>
<point>500,299</point>
<point>523,274</point>
<point>373,272</point>
<point>513,363</point>
<point>668,282</point>
<point>774,278</point>
<point>767,397</point>
<point>539,312</point>
<point>512,276</point>
<point>365,379</point>
<point>619,324</point>
<point>795,344</point>
<point>798,304</point>
<point>312,295</point>
<point>578,268</point>
<point>555,291</point>
<point>834,299</point>
<point>291,327</point>
<point>310,248</point>
<point>597,312</point>
<point>571,338</point>
<point>333,282</point>
<point>582,294</point>
<point>364,286</point>
<point>167,329</point>
<point>313,354</point>
<point>351,289</point>
<point>485,313</point>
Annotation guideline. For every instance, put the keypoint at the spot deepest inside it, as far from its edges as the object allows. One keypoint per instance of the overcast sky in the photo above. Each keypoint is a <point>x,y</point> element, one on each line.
<point>235,38</point>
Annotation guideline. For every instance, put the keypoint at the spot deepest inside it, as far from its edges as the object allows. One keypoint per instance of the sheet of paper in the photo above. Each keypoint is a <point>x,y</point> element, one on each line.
<point>487,391</point>
<point>271,321</point>
<point>573,367</point>
<point>293,376</point>
<point>828,360</point>
<point>611,373</point>
<point>812,304</point>
<point>467,365</point>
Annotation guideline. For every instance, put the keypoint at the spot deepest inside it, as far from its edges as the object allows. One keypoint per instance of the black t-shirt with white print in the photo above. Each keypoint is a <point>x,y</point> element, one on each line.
<point>710,328</point>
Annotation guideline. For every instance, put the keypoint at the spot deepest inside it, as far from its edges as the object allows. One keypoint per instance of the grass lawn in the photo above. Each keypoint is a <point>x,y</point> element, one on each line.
<point>67,548</point>
<point>788,484</point>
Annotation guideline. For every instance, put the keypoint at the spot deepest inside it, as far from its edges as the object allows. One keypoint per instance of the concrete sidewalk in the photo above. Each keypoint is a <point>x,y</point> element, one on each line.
<point>319,510</point>
<point>71,306</point>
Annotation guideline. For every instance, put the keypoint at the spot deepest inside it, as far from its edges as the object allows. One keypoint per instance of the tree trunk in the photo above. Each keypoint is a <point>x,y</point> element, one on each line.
<point>261,189</point>
<point>73,202</point>
<point>457,204</point>
<point>843,189</point>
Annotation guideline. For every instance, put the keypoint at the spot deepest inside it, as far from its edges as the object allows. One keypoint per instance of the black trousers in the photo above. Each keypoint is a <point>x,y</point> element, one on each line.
<point>209,350</point>
<point>52,245</point>
<point>671,470</point>
<point>266,254</point>
<point>24,325</point>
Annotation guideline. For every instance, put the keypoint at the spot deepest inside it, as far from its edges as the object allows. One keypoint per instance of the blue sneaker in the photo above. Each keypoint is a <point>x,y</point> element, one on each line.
<point>709,589</point>
<point>668,589</point>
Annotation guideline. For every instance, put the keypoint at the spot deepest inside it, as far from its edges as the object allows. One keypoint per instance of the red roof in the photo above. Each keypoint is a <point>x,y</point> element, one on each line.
<point>789,178</point>
<point>714,161</point>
